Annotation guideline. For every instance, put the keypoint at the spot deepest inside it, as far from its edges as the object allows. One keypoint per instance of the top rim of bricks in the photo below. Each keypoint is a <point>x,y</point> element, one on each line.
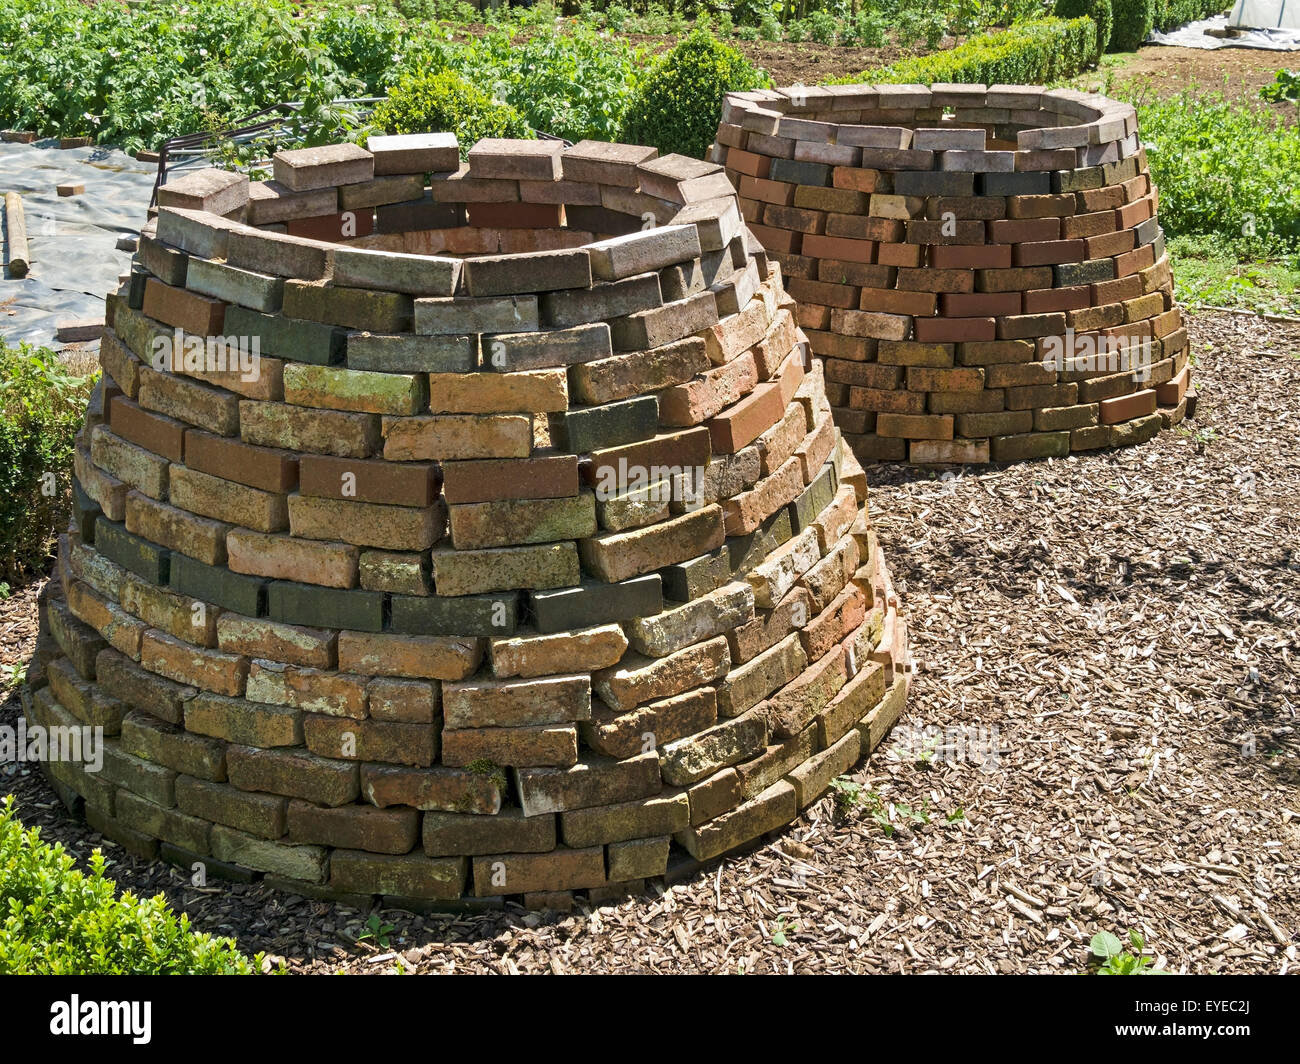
<point>678,207</point>
<point>1057,118</point>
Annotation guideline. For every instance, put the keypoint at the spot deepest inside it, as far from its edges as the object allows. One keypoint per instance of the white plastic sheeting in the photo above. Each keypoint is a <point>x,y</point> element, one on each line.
<point>1266,14</point>
<point>1193,35</point>
<point>72,240</point>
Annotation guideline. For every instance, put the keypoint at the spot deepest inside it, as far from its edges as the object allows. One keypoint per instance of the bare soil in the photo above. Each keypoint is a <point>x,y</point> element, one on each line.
<point>1121,630</point>
<point>1237,73</point>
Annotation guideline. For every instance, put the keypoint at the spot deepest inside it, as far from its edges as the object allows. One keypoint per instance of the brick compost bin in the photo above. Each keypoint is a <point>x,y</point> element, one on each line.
<point>980,268</point>
<point>365,622</point>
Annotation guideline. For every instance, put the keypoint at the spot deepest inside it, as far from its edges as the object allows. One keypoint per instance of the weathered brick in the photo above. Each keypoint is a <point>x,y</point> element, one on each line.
<point>411,656</point>
<point>262,815</point>
<point>461,834</point>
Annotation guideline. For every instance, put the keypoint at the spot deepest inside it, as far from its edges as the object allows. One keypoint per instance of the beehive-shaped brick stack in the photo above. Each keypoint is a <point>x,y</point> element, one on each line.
<point>980,268</point>
<point>527,558</point>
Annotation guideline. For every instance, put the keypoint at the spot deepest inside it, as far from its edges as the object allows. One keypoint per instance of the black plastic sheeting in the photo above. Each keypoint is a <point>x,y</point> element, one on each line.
<point>71,241</point>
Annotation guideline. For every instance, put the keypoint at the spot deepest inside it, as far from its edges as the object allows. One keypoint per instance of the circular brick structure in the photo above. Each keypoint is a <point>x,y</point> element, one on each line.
<point>523,558</point>
<point>980,268</point>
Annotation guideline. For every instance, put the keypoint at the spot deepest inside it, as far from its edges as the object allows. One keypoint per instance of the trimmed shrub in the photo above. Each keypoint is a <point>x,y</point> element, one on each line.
<point>446,102</point>
<point>1028,53</point>
<point>1100,11</point>
<point>1133,21</point>
<point>58,921</point>
<point>41,407</point>
<point>677,107</point>
<point>1170,14</point>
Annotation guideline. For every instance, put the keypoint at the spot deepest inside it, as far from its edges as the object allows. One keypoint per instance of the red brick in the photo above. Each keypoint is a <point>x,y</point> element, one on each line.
<point>971,256</point>
<point>898,254</point>
<point>1096,223</point>
<point>747,162</point>
<point>515,215</point>
<point>265,468</point>
<point>838,248</point>
<point>777,239</point>
<point>1046,206</point>
<point>1132,261</point>
<point>1127,407</point>
<point>866,227</point>
<point>954,330</point>
<point>1171,392</point>
<point>822,293</point>
<point>486,480</point>
<point>979,304</point>
<point>1108,197</point>
<point>856,178</point>
<point>154,432</point>
<point>1047,300</point>
<point>1131,214</point>
<point>183,309</point>
<point>1116,291</point>
<point>891,301</point>
<point>915,426</point>
<point>759,188</point>
<point>377,481</point>
<point>1024,230</point>
<point>1048,252</point>
<point>344,225</point>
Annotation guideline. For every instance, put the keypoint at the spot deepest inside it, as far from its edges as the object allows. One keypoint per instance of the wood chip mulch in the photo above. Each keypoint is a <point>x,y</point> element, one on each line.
<point>1101,736</point>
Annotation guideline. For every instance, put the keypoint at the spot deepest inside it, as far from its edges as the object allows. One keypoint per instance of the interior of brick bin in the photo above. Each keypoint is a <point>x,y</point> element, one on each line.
<point>393,616</point>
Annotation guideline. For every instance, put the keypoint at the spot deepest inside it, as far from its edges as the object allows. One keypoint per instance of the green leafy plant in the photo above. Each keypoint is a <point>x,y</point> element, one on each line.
<point>850,796</point>
<point>846,793</point>
<point>1224,170</point>
<point>779,929</point>
<point>676,108</point>
<point>1109,957</point>
<point>11,676</point>
<point>377,931</point>
<point>823,27</point>
<point>1133,22</point>
<point>1285,87</point>
<point>41,407</point>
<point>447,102</point>
<point>56,920</point>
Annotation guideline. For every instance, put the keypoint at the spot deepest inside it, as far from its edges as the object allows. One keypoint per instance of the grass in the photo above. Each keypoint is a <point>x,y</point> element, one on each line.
<point>1208,274</point>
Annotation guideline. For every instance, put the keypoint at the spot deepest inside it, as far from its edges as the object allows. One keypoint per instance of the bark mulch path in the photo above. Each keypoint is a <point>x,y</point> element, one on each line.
<point>1102,735</point>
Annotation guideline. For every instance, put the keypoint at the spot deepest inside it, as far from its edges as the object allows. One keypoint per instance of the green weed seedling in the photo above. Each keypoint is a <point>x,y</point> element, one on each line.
<point>779,930</point>
<point>1111,958</point>
<point>377,931</point>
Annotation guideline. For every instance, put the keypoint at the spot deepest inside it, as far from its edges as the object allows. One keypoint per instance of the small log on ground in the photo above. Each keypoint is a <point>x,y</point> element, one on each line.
<point>16,257</point>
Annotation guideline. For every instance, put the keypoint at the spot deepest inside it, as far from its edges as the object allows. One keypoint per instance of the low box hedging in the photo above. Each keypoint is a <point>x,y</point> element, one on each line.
<point>1170,14</point>
<point>1029,53</point>
<point>56,920</point>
